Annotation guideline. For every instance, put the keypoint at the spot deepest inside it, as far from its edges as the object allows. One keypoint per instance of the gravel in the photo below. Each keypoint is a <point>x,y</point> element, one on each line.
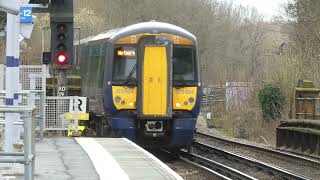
<point>311,172</point>
<point>188,171</point>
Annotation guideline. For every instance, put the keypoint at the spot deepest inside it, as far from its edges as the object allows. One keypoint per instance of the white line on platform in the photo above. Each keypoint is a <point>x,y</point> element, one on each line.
<point>174,174</point>
<point>106,166</point>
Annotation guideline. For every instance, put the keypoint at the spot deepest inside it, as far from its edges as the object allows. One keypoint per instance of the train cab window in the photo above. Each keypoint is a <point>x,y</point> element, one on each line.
<point>101,65</point>
<point>183,64</point>
<point>125,59</point>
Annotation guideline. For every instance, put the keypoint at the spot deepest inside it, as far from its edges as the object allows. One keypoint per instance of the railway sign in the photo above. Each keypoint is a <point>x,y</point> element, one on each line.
<point>25,14</point>
<point>61,91</point>
<point>62,34</point>
<point>81,105</point>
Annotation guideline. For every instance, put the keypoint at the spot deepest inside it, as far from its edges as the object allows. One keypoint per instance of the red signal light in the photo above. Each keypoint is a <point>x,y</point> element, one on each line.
<point>61,58</point>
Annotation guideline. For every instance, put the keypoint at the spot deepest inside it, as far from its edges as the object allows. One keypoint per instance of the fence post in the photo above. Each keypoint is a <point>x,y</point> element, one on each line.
<point>42,114</point>
<point>45,75</point>
<point>28,156</point>
<point>29,147</point>
<point>2,77</point>
<point>76,111</point>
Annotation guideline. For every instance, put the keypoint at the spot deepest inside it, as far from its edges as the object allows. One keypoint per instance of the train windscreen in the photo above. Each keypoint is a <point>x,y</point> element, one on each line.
<point>125,59</point>
<point>183,64</point>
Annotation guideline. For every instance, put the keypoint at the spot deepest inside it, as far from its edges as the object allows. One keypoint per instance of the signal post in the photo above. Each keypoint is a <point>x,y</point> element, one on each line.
<point>62,51</point>
<point>62,41</point>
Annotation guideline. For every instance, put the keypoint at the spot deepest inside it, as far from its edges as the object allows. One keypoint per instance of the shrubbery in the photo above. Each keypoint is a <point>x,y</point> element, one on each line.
<point>271,100</point>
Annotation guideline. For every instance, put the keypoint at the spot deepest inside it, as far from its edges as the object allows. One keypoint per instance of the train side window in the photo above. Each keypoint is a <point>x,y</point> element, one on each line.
<point>84,64</point>
<point>94,64</point>
<point>84,53</point>
<point>101,65</point>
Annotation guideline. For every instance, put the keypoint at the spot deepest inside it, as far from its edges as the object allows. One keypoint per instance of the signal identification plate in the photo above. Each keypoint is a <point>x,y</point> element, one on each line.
<point>25,14</point>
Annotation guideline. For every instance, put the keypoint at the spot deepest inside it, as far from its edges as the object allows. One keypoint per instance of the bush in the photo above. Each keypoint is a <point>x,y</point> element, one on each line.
<point>271,101</point>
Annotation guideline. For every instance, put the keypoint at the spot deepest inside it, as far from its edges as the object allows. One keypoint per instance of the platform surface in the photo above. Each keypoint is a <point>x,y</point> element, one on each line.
<point>91,159</point>
<point>126,160</point>
<point>56,159</point>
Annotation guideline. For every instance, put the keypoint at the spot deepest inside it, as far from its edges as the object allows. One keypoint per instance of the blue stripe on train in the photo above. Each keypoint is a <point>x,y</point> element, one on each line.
<point>182,131</point>
<point>108,100</point>
<point>196,109</point>
<point>124,126</point>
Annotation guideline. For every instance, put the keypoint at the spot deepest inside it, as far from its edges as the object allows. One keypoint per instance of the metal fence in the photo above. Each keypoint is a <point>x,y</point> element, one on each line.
<point>56,109</point>
<point>238,95</point>
<point>50,111</point>
<point>231,96</point>
<point>31,99</point>
<point>212,96</point>
<point>28,156</point>
<point>32,77</point>
<point>33,89</point>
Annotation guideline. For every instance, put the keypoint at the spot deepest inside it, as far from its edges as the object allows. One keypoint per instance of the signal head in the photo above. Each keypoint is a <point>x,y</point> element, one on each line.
<point>61,28</point>
<point>61,37</point>
<point>61,47</point>
<point>62,58</point>
<point>62,33</point>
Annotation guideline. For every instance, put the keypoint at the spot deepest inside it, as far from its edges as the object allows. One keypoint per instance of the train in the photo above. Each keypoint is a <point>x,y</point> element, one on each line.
<point>143,83</point>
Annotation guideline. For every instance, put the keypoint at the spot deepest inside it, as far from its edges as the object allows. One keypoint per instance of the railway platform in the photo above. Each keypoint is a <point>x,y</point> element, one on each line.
<point>91,159</point>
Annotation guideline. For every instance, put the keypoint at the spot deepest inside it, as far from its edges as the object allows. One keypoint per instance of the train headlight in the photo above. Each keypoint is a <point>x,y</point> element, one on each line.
<point>178,104</point>
<point>151,125</point>
<point>117,99</point>
<point>158,125</point>
<point>191,100</point>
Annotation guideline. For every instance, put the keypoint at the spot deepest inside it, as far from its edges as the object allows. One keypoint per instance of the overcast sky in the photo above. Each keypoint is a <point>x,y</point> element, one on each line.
<point>268,8</point>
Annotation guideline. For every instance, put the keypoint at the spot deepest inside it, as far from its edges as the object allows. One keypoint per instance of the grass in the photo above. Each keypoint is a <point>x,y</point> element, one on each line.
<point>245,123</point>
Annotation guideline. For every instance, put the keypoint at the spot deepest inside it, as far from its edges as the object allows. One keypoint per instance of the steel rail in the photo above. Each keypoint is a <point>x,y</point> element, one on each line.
<point>270,169</point>
<point>173,156</point>
<point>215,175</point>
<point>274,153</point>
<point>225,171</point>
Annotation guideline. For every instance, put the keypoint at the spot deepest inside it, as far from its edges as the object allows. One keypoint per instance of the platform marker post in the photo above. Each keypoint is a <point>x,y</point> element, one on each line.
<point>12,134</point>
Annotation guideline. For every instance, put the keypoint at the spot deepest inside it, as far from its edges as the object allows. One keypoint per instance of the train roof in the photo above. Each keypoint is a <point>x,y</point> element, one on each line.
<point>144,27</point>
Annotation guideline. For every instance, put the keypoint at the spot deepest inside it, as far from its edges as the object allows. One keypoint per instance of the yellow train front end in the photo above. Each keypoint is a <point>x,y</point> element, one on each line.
<point>151,84</point>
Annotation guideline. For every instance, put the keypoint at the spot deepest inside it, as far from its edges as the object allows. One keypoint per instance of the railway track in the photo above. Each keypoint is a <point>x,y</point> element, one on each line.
<point>218,170</point>
<point>236,166</point>
<point>315,163</point>
<point>184,162</point>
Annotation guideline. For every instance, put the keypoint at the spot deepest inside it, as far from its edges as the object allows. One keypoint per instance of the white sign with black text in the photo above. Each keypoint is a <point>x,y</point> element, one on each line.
<point>61,91</point>
<point>81,105</point>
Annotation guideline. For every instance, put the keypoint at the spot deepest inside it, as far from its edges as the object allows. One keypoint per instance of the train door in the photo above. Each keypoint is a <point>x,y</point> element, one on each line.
<point>154,89</point>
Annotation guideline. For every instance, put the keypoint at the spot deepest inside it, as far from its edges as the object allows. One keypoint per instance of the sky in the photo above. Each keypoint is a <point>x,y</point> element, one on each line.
<point>268,8</point>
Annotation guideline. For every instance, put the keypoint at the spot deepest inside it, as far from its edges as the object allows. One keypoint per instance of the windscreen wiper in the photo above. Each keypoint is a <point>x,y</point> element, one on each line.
<point>179,83</point>
<point>126,82</point>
